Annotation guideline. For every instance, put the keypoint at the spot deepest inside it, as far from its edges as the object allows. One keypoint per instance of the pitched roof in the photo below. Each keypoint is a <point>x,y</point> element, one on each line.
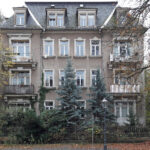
<point>37,13</point>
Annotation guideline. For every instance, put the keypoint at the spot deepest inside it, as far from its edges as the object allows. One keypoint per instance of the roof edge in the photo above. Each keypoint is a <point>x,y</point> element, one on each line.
<point>27,2</point>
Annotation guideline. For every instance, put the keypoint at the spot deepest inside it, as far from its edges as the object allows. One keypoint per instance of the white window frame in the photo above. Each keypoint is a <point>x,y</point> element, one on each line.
<point>91,75</point>
<point>20,23</point>
<point>17,70</point>
<point>53,107</point>
<point>84,76</point>
<point>64,39</point>
<point>60,76</point>
<point>95,39</point>
<point>86,13</point>
<point>52,78</point>
<point>20,37</point>
<point>53,52</point>
<point>84,43</point>
<point>56,13</point>
<point>117,41</point>
<point>120,107</point>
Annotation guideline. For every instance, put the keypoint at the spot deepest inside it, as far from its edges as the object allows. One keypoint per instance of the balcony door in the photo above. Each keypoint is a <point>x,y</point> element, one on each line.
<point>21,50</point>
<point>20,77</point>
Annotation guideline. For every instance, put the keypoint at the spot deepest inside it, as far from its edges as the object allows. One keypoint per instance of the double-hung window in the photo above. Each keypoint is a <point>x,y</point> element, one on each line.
<point>49,104</point>
<point>21,49</point>
<point>64,47</point>
<point>80,48</point>
<point>56,20</point>
<point>62,77</point>
<point>49,48</point>
<point>48,78</point>
<point>20,19</point>
<point>80,77</point>
<point>123,49</point>
<point>20,78</point>
<point>93,77</point>
<point>95,47</point>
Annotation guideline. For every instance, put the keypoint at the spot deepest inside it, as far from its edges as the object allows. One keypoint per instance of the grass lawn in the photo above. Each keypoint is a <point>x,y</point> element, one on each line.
<point>121,146</point>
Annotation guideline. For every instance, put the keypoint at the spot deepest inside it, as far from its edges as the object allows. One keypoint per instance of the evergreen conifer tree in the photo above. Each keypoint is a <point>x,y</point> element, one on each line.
<point>97,94</point>
<point>69,94</point>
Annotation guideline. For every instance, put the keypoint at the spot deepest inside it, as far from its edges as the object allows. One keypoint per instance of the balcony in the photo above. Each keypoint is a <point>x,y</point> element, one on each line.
<point>115,60</point>
<point>22,61</point>
<point>124,88</point>
<point>19,89</point>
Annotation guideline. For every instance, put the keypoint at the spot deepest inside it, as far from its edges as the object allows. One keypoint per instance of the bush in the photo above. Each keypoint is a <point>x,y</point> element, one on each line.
<point>54,123</point>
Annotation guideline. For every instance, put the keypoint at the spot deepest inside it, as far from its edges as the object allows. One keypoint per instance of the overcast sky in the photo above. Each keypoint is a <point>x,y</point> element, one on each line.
<point>7,11</point>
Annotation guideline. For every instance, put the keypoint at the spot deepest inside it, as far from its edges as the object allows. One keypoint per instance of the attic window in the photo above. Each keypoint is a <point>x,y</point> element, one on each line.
<point>86,18</point>
<point>20,19</point>
<point>55,17</point>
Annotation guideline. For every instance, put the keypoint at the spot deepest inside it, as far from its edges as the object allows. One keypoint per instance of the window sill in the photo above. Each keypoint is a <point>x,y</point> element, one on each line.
<point>57,27</point>
<point>63,56</point>
<point>47,57</point>
<point>95,56</point>
<point>80,57</point>
<point>50,88</point>
<point>83,87</point>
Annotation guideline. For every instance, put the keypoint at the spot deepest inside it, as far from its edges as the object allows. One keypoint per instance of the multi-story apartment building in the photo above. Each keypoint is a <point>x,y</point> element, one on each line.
<point>45,34</point>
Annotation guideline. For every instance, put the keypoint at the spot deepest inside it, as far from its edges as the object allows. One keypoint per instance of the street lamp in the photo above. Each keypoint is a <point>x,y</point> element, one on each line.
<point>104,101</point>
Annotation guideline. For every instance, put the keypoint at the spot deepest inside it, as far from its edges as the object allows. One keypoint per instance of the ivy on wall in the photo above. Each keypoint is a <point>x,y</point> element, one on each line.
<point>42,94</point>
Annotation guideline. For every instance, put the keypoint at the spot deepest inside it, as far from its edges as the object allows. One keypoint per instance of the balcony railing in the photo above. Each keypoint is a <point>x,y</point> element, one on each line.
<point>120,58</point>
<point>125,88</point>
<point>19,89</point>
<point>27,57</point>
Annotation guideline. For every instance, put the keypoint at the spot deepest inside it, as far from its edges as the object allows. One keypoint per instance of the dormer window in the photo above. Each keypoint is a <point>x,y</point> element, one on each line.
<point>20,16</point>
<point>86,18</point>
<point>55,18</point>
<point>20,19</point>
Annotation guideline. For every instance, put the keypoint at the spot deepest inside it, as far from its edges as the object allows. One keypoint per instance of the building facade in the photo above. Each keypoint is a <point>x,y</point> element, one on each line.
<point>43,35</point>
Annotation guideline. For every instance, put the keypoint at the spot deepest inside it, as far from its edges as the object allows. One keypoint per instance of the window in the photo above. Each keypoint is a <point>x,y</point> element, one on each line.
<point>95,47</point>
<point>56,20</point>
<point>49,104</point>
<point>62,77</point>
<point>82,107</point>
<point>20,19</point>
<point>83,21</point>
<point>80,76</point>
<point>60,20</point>
<point>48,78</point>
<point>86,20</point>
<point>82,104</point>
<point>64,48</point>
<point>20,78</point>
<point>122,109</point>
<point>15,106</point>
<point>93,77</point>
<point>121,78</point>
<point>49,48</point>
<point>123,49</point>
<point>21,49</point>
<point>91,20</point>
<point>79,48</point>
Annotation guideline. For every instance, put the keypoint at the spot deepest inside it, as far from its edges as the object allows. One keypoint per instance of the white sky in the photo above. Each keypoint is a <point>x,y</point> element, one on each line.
<point>7,11</point>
